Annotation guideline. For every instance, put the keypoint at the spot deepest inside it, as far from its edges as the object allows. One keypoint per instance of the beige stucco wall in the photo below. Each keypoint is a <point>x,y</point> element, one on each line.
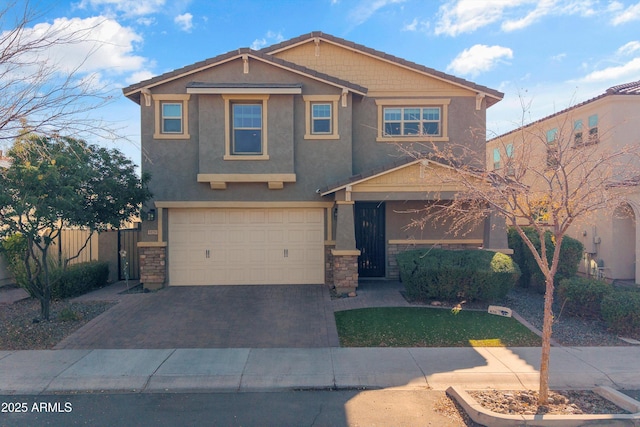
<point>617,236</point>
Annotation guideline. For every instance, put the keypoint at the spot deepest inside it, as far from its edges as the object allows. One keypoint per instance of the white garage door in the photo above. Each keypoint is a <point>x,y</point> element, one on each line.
<point>246,246</point>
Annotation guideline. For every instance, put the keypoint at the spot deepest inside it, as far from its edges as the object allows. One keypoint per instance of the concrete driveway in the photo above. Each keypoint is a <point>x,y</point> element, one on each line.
<point>265,316</point>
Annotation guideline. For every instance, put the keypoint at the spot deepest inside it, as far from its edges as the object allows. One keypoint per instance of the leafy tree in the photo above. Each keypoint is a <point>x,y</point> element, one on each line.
<point>57,182</point>
<point>547,183</point>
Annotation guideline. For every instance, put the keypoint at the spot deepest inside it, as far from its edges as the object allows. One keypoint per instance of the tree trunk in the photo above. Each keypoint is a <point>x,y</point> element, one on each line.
<point>46,286</point>
<point>546,342</point>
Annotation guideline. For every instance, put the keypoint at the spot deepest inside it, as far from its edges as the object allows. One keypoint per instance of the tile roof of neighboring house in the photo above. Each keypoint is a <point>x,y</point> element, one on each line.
<point>265,54</point>
<point>133,91</point>
<point>632,88</point>
<point>384,56</point>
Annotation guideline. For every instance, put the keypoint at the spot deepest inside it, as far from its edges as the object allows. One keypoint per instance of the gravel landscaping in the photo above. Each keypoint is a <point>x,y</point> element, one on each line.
<point>19,330</point>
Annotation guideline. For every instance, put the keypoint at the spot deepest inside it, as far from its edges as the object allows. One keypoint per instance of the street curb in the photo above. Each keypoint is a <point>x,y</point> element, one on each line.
<point>484,416</point>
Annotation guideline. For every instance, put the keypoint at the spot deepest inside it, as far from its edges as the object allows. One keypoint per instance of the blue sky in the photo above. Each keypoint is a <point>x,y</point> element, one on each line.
<point>549,53</point>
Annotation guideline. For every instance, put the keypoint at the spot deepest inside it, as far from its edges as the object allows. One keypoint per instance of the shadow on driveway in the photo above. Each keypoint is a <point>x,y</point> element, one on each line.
<point>261,316</point>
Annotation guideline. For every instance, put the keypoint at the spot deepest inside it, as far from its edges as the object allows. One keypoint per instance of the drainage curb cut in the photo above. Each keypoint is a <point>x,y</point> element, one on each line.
<point>489,418</point>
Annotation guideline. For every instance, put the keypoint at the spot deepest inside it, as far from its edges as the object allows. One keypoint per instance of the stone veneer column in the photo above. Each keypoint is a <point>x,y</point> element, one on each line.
<point>345,255</point>
<point>153,268</point>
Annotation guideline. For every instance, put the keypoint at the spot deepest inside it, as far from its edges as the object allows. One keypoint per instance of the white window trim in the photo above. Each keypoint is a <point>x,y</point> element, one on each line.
<point>309,100</point>
<point>159,99</point>
<point>228,100</point>
<point>443,104</point>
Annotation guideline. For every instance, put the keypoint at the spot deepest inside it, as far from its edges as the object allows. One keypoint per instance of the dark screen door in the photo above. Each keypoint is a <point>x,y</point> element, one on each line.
<point>369,222</point>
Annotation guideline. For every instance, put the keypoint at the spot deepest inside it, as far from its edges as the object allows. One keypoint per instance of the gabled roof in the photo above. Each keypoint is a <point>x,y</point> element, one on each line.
<point>267,55</point>
<point>133,91</point>
<point>632,88</point>
<point>287,44</point>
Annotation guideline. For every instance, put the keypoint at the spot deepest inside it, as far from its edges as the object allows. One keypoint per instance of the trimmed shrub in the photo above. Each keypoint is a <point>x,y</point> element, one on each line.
<point>570,255</point>
<point>79,279</point>
<point>621,311</point>
<point>454,275</point>
<point>14,249</point>
<point>583,297</point>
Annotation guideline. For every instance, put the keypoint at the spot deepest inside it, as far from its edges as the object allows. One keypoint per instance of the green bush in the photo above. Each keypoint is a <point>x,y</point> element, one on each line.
<point>454,275</point>
<point>570,255</point>
<point>14,249</point>
<point>621,311</point>
<point>79,279</point>
<point>583,297</point>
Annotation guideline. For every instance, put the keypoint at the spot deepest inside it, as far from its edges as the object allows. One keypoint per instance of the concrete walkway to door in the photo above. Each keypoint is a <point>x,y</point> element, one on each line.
<point>273,316</point>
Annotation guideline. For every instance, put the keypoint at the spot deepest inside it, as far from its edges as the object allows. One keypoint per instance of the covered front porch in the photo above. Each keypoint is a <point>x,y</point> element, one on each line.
<point>378,215</point>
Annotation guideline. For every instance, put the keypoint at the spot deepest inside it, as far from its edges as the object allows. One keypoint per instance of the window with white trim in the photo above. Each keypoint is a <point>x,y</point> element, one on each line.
<point>171,116</point>
<point>321,113</point>
<point>320,118</point>
<point>593,128</point>
<point>412,120</point>
<point>246,136</point>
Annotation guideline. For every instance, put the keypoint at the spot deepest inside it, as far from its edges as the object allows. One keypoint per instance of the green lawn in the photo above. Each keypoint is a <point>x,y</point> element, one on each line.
<point>430,327</point>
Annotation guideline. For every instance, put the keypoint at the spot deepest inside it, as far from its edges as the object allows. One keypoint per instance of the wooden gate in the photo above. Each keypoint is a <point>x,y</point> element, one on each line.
<point>130,263</point>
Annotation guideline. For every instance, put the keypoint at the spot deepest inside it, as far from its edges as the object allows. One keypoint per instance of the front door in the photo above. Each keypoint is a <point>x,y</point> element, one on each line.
<point>369,222</point>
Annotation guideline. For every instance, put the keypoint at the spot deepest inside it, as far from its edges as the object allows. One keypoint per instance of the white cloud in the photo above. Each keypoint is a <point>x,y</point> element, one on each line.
<point>139,76</point>
<point>559,57</point>
<point>184,21</point>
<point>542,9</point>
<point>126,7</point>
<point>615,74</point>
<point>466,16</point>
<point>93,49</point>
<point>270,38</point>
<point>416,25</point>
<point>367,8</point>
<point>632,13</point>
<point>629,48</point>
<point>478,59</point>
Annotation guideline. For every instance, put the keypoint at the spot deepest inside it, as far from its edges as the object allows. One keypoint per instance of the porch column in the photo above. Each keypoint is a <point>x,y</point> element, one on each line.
<point>153,269</point>
<point>495,234</point>
<point>345,255</point>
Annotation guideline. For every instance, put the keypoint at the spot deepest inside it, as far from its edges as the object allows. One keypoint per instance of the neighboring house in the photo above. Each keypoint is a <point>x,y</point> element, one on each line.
<point>284,165</point>
<point>609,120</point>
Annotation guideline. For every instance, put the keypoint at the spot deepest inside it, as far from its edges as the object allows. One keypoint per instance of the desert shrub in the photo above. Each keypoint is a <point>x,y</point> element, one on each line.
<point>14,249</point>
<point>79,279</point>
<point>621,311</point>
<point>454,275</point>
<point>570,255</point>
<point>583,297</point>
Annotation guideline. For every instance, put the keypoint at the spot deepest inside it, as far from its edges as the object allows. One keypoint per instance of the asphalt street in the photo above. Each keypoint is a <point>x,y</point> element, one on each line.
<point>291,408</point>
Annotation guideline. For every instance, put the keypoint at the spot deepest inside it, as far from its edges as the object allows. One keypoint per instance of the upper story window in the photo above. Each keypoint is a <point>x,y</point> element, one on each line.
<point>247,129</point>
<point>593,128</point>
<point>496,158</point>
<point>552,134</point>
<point>246,118</point>
<point>171,116</point>
<point>412,120</point>
<point>511,169</point>
<point>321,116</point>
<point>577,132</point>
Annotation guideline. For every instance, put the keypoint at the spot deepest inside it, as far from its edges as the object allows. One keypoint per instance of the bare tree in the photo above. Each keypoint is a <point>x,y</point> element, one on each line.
<point>47,94</point>
<point>547,179</point>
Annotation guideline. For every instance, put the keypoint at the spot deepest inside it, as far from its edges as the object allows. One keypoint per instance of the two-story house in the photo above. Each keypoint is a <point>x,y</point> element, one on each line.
<point>604,125</point>
<point>285,165</point>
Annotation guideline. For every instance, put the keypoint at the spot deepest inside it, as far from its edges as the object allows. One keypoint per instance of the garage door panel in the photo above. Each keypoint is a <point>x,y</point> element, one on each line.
<point>246,246</point>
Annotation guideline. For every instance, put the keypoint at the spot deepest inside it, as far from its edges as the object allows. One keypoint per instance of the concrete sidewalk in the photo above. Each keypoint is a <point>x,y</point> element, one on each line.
<point>242,369</point>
